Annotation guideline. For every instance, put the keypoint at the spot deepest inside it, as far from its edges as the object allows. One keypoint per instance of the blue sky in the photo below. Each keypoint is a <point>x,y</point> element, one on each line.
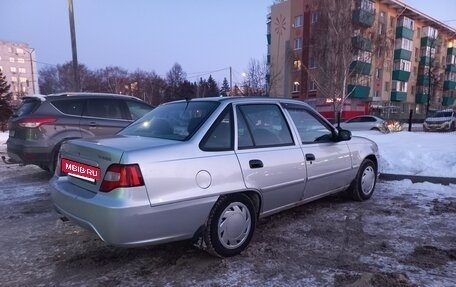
<point>201,35</point>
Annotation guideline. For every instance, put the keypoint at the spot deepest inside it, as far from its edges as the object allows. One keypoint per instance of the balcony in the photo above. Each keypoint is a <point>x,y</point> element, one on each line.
<point>401,75</point>
<point>421,98</point>
<point>363,17</point>
<point>358,91</point>
<point>425,61</point>
<point>362,68</point>
<point>448,101</point>
<point>423,80</point>
<point>449,85</point>
<point>428,41</point>
<point>361,43</point>
<point>397,96</point>
<point>402,54</point>
<point>403,32</point>
<point>450,68</point>
<point>451,51</point>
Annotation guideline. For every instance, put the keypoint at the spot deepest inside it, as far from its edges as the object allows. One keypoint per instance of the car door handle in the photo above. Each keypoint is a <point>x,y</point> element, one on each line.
<point>310,156</point>
<point>256,163</point>
<point>92,124</point>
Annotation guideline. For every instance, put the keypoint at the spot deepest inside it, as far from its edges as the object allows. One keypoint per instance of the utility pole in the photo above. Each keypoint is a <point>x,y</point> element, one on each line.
<point>231,80</point>
<point>77,82</point>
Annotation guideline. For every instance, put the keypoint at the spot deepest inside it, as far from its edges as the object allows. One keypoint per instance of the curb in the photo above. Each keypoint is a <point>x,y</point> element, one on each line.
<point>417,178</point>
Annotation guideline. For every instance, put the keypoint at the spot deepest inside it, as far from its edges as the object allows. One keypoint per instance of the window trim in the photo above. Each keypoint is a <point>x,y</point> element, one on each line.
<point>228,109</point>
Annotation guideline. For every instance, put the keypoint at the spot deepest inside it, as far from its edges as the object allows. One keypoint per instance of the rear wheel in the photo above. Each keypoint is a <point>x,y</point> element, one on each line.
<point>363,185</point>
<point>230,225</point>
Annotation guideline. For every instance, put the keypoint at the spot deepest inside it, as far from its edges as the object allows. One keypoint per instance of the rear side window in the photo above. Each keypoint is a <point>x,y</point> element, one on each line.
<point>27,107</point>
<point>137,109</point>
<point>103,108</point>
<point>69,107</point>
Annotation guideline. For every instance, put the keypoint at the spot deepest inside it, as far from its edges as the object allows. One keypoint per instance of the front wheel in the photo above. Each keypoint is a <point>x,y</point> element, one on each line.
<point>230,225</point>
<point>363,185</point>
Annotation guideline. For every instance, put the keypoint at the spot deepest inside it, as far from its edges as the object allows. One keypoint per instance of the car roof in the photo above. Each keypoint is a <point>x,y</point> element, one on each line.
<point>78,95</point>
<point>241,99</point>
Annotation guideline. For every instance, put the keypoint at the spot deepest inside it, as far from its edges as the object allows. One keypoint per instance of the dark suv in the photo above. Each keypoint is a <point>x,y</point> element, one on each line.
<point>42,123</point>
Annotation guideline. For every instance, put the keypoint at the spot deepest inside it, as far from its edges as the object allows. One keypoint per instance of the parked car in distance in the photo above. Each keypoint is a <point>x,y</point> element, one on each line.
<point>42,123</point>
<point>369,122</point>
<point>444,120</point>
<point>207,169</point>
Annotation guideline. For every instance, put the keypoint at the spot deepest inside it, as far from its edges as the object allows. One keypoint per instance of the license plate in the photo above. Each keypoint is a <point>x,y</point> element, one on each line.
<point>80,170</point>
<point>11,133</point>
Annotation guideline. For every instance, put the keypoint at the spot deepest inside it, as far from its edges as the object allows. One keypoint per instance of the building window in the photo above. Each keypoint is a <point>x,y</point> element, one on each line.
<point>387,86</point>
<point>298,43</point>
<point>13,79</point>
<point>20,60</point>
<point>392,22</point>
<point>296,87</point>
<point>1,69</point>
<point>315,15</point>
<point>362,56</point>
<point>298,21</point>
<point>297,64</point>
<point>19,51</point>
<point>11,59</point>
<point>22,79</point>
<point>313,63</point>
<point>403,43</point>
<point>381,28</point>
<point>413,90</point>
<point>22,70</point>
<point>402,65</point>
<point>13,70</point>
<point>366,5</point>
<point>399,86</point>
<point>312,86</point>
<point>378,73</point>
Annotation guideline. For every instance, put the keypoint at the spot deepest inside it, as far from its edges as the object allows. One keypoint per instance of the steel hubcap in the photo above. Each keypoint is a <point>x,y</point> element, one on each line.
<point>234,225</point>
<point>368,180</point>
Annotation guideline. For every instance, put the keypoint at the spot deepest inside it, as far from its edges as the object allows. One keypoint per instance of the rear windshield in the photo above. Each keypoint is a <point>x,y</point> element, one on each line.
<point>174,121</point>
<point>443,114</point>
<point>27,107</point>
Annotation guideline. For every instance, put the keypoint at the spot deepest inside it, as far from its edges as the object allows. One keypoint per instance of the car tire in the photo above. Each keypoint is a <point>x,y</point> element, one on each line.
<point>237,212</point>
<point>363,185</point>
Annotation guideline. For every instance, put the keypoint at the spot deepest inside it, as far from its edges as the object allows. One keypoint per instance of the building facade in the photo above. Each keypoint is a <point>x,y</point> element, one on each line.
<point>418,74</point>
<point>18,65</point>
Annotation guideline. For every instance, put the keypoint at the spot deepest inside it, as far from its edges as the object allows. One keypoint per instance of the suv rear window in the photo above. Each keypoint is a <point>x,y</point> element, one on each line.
<point>27,107</point>
<point>69,107</point>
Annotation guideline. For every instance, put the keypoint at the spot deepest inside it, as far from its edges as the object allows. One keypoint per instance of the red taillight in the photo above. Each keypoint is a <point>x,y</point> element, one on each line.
<point>35,122</point>
<point>119,175</point>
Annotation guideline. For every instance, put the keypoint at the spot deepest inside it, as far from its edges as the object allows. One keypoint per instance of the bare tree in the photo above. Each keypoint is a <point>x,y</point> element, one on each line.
<point>255,80</point>
<point>342,50</point>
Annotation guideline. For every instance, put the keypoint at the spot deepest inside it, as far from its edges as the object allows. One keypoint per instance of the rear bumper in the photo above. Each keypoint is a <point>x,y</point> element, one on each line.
<point>28,152</point>
<point>125,218</point>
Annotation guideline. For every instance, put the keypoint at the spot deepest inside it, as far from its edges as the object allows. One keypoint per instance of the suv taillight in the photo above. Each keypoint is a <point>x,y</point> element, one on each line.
<point>35,122</point>
<point>120,175</point>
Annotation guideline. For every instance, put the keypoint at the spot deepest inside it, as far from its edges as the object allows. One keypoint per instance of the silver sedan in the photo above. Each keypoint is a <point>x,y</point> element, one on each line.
<point>207,169</point>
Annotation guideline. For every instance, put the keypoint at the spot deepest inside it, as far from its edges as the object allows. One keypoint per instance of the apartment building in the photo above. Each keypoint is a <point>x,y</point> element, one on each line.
<point>18,65</point>
<point>418,74</point>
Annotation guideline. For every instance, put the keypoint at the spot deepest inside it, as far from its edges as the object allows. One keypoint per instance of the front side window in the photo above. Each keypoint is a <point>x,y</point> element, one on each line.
<point>310,128</point>
<point>262,125</point>
<point>173,121</point>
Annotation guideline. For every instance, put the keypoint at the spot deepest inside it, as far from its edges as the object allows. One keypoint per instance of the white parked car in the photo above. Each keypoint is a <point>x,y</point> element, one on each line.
<point>444,120</point>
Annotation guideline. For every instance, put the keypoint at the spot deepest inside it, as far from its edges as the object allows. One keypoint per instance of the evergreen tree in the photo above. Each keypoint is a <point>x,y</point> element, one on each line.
<point>225,89</point>
<point>5,101</point>
<point>213,90</point>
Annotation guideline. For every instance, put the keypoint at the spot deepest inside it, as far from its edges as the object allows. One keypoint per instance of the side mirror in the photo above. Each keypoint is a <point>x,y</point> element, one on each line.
<point>344,135</point>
